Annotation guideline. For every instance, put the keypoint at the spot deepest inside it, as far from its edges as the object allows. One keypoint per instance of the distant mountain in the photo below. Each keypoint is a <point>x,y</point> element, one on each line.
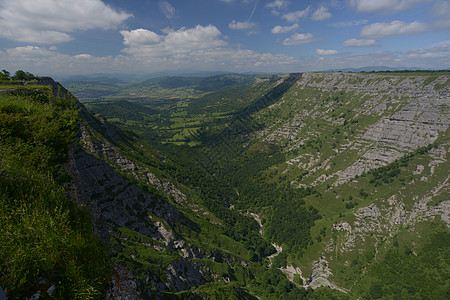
<point>371,69</point>
<point>101,88</point>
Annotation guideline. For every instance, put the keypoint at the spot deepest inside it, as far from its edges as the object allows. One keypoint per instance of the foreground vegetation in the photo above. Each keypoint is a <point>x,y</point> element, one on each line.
<point>46,238</point>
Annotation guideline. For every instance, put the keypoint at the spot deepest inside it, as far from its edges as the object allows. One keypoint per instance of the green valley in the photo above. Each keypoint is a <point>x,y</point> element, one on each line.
<point>305,185</point>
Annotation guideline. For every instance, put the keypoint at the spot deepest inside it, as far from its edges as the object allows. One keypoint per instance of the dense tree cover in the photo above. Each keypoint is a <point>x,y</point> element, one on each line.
<point>22,75</point>
<point>223,173</point>
<point>407,274</point>
<point>217,195</point>
<point>19,75</point>
<point>46,239</point>
<point>290,223</point>
<point>228,177</point>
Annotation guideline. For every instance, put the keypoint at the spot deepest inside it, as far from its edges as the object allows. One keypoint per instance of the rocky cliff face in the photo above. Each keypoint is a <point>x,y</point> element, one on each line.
<point>405,113</point>
<point>112,186</point>
<point>336,127</point>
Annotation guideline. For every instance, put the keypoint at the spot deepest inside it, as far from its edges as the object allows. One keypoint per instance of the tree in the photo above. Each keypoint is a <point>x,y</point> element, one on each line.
<point>22,75</point>
<point>5,74</point>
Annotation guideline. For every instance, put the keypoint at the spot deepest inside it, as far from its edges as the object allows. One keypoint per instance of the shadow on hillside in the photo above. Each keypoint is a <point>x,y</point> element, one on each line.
<point>227,144</point>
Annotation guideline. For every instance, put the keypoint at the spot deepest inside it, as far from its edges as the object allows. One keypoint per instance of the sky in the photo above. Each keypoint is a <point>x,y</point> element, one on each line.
<point>68,37</point>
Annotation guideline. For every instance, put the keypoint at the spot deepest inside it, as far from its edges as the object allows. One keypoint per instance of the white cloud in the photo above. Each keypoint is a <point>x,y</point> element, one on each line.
<point>39,60</point>
<point>296,15</point>
<point>42,61</point>
<point>50,21</point>
<point>381,30</point>
<point>358,43</point>
<point>167,9</point>
<point>83,56</point>
<point>142,42</point>
<point>28,51</point>
<point>199,37</point>
<point>441,49</point>
<point>384,6</point>
<point>326,52</point>
<point>321,14</point>
<point>241,25</point>
<point>298,39</point>
<point>140,37</point>
<point>278,4</point>
<point>283,29</point>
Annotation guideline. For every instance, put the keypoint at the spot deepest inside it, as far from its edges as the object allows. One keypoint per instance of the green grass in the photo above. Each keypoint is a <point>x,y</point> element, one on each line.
<point>46,239</point>
<point>23,87</point>
<point>409,270</point>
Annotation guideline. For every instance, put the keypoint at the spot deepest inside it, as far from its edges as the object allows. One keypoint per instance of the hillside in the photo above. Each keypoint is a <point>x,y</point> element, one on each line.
<point>316,185</point>
<point>366,151</point>
<point>160,235</point>
<point>161,89</point>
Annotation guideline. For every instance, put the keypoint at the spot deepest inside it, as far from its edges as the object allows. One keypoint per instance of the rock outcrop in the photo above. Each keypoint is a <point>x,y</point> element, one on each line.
<point>406,113</point>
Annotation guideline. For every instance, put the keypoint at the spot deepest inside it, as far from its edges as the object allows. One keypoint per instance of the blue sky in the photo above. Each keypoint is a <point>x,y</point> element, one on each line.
<point>62,37</point>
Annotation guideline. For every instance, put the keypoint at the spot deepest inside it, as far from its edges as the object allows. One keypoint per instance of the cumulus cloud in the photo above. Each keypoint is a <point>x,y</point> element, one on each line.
<point>298,39</point>
<point>283,29</point>
<point>326,52</point>
<point>140,37</point>
<point>51,21</point>
<point>384,6</point>
<point>143,42</point>
<point>83,56</point>
<point>29,51</point>
<point>321,14</point>
<point>296,15</point>
<point>358,43</point>
<point>241,25</point>
<point>381,30</point>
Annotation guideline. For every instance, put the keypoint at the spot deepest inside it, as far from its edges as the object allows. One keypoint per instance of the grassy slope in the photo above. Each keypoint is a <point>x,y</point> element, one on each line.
<point>338,204</point>
<point>46,240</point>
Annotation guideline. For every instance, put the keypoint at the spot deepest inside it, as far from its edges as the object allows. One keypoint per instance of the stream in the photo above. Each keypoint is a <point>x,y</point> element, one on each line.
<point>289,271</point>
